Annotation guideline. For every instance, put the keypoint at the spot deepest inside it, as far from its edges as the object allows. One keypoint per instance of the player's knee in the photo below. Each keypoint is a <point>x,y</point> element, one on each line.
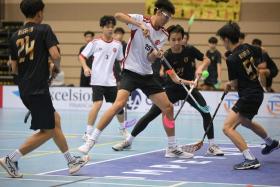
<point>227,129</point>
<point>168,108</point>
<point>118,105</point>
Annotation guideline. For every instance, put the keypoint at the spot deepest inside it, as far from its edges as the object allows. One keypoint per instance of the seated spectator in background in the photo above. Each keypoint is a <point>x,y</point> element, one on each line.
<point>85,81</point>
<point>58,80</point>
<point>118,35</point>
<point>267,70</point>
<point>241,37</point>
<point>213,81</point>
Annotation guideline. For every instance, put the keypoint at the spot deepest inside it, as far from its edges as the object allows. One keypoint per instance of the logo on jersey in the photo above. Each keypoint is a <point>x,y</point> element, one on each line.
<point>273,105</point>
<point>157,42</point>
<point>230,100</point>
<point>114,49</point>
<point>134,100</point>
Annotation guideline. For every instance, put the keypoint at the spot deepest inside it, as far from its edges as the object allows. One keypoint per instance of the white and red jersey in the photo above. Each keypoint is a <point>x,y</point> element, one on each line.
<point>138,47</point>
<point>104,56</point>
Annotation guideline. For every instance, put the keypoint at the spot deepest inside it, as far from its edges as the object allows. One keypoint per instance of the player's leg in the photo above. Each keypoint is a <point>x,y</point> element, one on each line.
<point>97,99</point>
<point>173,150</point>
<point>106,118</point>
<point>213,148</point>
<point>74,162</point>
<point>232,121</point>
<point>138,128</point>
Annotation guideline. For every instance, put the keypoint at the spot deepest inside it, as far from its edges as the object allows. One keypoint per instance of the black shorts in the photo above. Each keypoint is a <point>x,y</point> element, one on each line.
<point>248,106</point>
<point>42,111</point>
<point>147,83</point>
<point>109,92</point>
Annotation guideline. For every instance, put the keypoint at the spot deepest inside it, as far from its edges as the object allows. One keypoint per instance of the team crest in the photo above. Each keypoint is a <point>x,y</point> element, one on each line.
<point>114,49</point>
<point>157,42</point>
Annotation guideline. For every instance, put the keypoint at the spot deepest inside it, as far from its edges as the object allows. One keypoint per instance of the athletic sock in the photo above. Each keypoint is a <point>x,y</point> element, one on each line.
<point>130,139</point>
<point>15,156</point>
<point>95,135</point>
<point>248,155</point>
<point>89,129</point>
<point>171,142</point>
<point>211,142</point>
<point>68,157</point>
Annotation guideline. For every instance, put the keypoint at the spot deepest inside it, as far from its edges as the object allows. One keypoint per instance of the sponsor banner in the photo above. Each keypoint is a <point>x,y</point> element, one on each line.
<point>76,98</point>
<point>202,9</point>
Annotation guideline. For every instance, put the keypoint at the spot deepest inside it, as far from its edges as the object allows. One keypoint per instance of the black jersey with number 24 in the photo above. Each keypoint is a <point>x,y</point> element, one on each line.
<point>30,48</point>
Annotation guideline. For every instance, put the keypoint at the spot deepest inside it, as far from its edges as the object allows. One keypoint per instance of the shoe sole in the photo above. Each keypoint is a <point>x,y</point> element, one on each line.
<point>2,163</point>
<point>271,151</point>
<point>211,154</point>
<point>78,169</point>
<point>175,156</point>
<point>251,167</point>
<point>123,149</point>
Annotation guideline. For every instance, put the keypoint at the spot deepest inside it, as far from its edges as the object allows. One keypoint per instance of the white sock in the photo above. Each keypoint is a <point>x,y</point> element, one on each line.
<point>268,140</point>
<point>121,125</point>
<point>171,141</point>
<point>211,142</point>
<point>130,139</point>
<point>89,129</point>
<point>95,135</point>
<point>68,156</point>
<point>248,155</point>
<point>15,156</point>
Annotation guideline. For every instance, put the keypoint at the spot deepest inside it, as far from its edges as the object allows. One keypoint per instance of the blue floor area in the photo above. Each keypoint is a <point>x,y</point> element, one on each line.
<point>144,164</point>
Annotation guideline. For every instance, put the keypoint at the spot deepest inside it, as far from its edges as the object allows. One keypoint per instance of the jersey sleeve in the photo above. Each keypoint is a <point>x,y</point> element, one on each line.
<point>51,39</point>
<point>88,50</point>
<point>13,49</point>
<point>258,55</point>
<point>232,75</point>
<point>120,53</point>
<point>136,17</point>
<point>196,53</point>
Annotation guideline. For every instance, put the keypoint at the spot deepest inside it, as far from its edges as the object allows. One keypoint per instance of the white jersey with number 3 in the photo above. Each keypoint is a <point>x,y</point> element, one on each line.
<point>104,56</point>
<point>138,47</point>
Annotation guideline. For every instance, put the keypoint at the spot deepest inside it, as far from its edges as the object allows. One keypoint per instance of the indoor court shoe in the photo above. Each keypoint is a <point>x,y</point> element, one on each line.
<point>121,146</point>
<point>10,167</point>
<point>177,152</point>
<point>86,147</point>
<point>214,150</point>
<point>124,132</point>
<point>85,137</point>
<point>269,148</point>
<point>77,164</point>
<point>248,164</point>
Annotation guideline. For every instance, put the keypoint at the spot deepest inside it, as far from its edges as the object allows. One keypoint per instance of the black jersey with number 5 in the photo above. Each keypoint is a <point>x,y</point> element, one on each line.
<point>30,48</point>
<point>242,66</point>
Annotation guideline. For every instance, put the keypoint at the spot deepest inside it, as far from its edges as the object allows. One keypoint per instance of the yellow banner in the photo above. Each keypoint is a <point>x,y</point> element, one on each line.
<point>202,9</point>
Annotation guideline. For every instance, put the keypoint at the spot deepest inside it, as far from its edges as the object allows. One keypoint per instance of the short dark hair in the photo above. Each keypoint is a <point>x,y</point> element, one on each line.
<point>187,34</point>
<point>231,31</point>
<point>242,35</point>
<point>89,32</point>
<point>120,30</point>
<point>30,7</point>
<point>106,20</point>
<point>213,40</point>
<point>175,29</point>
<point>164,5</point>
<point>257,42</point>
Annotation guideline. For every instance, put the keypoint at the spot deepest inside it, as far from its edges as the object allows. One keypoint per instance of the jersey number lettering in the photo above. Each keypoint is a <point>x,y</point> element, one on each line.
<point>26,48</point>
<point>250,68</point>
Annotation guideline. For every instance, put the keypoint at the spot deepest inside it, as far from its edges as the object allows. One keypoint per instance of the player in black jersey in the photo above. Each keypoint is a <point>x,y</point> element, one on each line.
<point>182,61</point>
<point>85,81</point>
<point>30,48</point>
<point>268,69</point>
<point>242,73</point>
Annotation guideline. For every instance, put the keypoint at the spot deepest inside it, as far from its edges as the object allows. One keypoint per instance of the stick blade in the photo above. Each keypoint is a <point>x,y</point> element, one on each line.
<point>191,148</point>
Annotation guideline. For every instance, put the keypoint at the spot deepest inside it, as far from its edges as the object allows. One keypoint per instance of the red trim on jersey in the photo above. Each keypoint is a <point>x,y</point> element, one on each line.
<point>1,96</point>
<point>128,47</point>
<point>164,31</point>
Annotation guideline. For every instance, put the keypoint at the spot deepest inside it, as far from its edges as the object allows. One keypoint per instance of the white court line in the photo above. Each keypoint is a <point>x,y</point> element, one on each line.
<point>104,161</point>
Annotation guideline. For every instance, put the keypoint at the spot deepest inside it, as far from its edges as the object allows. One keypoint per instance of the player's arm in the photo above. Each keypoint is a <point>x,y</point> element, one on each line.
<point>231,85</point>
<point>87,70</point>
<point>219,72</point>
<point>154,55</point>
<point>14,66</point>
<point>171,73</point>
<point>203,66</point>
<point>55,57</point>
